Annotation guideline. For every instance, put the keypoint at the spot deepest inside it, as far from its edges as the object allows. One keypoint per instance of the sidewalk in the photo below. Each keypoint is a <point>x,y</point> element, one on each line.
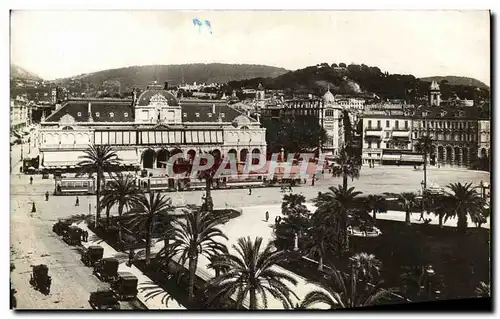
<point>143,281</point>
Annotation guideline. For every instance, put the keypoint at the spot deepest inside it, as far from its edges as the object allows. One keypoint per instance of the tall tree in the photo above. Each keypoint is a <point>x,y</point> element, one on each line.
<point>196,236</point>
<point>464,200</point>
<point>367,266</point>
<point>121,191</point>
<point>148,211</point>
<point>321,237</point>
<point>377,204</point>
<point>208,176</point>
<point>337,202</point>
<point>347,167</point>
<point>408,202</point>
<point>425,145</point>
<point>344,291</point>
<point>98,159</point>
<point>440,206</point>
<point>252,274</point>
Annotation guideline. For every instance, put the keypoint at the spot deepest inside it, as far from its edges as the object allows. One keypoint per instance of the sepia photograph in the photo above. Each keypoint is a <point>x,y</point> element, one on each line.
<point>250,160</point>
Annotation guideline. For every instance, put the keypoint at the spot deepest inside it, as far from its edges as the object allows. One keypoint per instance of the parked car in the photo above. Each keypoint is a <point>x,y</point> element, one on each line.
<point>40,278</point>
<point>125,286</point>
<point>104,299</point>
<point>92,255</point>
<point>106,269</point>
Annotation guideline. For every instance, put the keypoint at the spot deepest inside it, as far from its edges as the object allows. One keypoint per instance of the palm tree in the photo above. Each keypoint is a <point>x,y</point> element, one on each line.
<point>296,213</point>
<point>121,191</point>
<point>291,201</point>
<point>343,291</point>
<point>347,168</point>
<point>367,266</point>
<point>483,290</point>
<point>208,176</point>
<point>425,146</point>
<point>196,236</point>
<point>440,206</point>
<point>377,204</point>
<point>148,211</point>
<point>337,202</point>
<point>464,201</point>
<point>408,201</point>
<point>321,238</point>
<point>98,159</point>
<point>252,273</point>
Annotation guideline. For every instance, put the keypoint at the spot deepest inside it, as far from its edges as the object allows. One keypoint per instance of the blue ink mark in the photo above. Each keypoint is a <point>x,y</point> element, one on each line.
<point>202,25</point>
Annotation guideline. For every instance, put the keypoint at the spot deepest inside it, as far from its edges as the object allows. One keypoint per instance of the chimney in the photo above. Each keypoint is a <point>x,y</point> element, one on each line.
<point>213,108</point>
<point>166,86</point>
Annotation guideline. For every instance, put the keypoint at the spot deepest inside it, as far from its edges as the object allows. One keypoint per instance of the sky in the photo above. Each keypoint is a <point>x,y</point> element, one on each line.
<point>56,44</point>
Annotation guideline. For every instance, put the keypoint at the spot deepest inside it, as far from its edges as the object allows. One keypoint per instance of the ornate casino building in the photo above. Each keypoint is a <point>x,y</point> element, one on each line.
<point>147,129</point>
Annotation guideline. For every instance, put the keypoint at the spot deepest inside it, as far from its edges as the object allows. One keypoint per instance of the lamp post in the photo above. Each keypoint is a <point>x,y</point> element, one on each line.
<point>481,184</point>
<point>429,272</point>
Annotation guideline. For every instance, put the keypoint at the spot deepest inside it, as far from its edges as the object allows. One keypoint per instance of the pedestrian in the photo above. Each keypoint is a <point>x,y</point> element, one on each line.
<point>267,216</point>
<point>313,179</point>
<point>290,188</point>
<point>20,170</point>
<point>130,257</point>
<point>249,191</point>
<point>31,180</point>
<point>46,196</point>
<point>77,202</point>
<point>305,181</point>
<point>33,208</point>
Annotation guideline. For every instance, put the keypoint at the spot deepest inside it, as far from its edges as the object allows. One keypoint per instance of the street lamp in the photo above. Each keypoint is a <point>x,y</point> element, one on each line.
<point>482,188</point>
<point>429,274</point>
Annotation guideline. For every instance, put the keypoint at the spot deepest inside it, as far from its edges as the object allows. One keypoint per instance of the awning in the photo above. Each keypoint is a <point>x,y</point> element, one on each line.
<point>62,158</point>
<point>412,158</point>
<point>391,157</point>
<point>127,157</point>
<point>401,134</point>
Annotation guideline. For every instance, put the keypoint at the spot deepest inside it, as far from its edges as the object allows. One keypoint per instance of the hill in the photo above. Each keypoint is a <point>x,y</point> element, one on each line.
<point>457,80</point>
<point>140,76</point>
<point>358,80</point>
<point>18,73</point>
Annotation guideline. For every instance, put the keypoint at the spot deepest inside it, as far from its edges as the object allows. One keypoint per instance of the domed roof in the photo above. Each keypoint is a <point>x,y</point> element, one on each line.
<point>328,97</point>
<point>157,95</point>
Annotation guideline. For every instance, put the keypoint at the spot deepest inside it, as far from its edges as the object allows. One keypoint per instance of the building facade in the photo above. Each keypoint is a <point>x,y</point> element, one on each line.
<point>454,132</point>
<point>147,130</point>
<point>460,133</point>
<point>387,132</point>
<point>20,112</point>
<point>484,147</point>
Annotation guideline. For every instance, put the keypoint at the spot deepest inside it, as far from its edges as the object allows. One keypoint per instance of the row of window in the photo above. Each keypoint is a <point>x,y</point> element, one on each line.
<point>209,115</point>
<point>449,137</point>
<point>446,124</point>
<point>390,145</point>
<point>387,124</point>
<point>97,114</point>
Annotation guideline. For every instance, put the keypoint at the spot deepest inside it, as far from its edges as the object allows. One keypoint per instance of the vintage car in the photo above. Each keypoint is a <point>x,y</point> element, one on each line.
<point>61,227</point>
<point>40,278</point>
<point>104,299</point>
<point>125,286</point>
<point>92,255</point>
<point>73,236</point>
<point>106,269</point>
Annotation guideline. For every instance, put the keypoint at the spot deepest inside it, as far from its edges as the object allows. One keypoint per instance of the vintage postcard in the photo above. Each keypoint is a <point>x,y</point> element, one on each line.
<point>293,160</point>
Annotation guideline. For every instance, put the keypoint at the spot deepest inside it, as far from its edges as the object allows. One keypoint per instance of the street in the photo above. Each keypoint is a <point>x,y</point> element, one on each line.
<point>33,242</point>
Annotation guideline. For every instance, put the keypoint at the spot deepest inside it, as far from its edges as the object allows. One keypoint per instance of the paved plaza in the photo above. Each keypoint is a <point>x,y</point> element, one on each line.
<point>33,242</point>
